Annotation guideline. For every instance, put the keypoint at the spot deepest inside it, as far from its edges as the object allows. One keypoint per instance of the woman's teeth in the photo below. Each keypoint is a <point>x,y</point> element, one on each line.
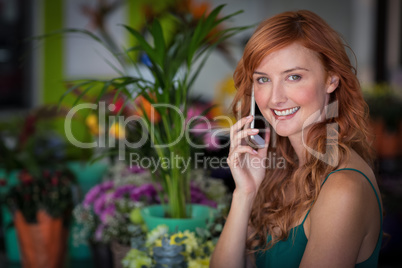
<point>287,112</point>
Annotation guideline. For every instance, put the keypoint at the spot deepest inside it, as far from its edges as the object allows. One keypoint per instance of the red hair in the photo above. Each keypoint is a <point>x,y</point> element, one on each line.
<point>334,136</point>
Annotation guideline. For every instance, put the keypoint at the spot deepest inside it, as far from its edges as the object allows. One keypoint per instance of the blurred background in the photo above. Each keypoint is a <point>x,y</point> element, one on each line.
<point>35,73</point>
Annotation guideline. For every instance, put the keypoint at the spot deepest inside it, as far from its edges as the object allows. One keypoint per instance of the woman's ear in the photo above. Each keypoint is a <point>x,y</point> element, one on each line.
<point>332,82</point>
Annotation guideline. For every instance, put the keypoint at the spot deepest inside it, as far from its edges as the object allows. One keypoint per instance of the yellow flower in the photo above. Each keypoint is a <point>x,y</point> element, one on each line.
<point>158,242</point>
<point>225,91</point>
<point>117,131</point>
<point>189,241</point>
<point>205,249</point>
<point>92,123</point>
<point>199,263</point>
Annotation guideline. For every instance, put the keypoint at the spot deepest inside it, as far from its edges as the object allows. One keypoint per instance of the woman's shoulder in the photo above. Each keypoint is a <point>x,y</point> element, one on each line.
<point>352,182</point>
<point>354,176</point>
<point>347,209</point>
<point>348,194</point>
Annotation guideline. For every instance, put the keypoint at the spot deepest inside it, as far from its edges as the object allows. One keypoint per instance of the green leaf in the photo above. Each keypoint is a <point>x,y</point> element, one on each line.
<point>152,54</point>
<point>204,27</point>
<point>86,82</point>
<point>159,41</point>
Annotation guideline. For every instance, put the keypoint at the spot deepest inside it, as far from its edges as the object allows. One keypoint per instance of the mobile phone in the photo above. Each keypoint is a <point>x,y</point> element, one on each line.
<point>256,140</point>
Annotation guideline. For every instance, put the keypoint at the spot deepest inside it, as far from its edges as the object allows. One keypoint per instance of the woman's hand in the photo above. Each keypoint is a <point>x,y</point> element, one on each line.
<point>247,165</point>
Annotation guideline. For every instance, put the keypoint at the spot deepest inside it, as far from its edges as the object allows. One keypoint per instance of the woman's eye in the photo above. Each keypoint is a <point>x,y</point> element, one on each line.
<point>262,80</point>
<point>294,77</point>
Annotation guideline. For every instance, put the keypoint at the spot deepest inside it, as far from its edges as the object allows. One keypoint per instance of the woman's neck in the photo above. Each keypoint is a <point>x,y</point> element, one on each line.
<point>299,147</point>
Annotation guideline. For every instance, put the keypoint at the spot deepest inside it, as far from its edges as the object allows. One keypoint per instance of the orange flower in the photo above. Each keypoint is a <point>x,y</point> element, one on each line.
<point>197,10</point>
<point>144,105</point>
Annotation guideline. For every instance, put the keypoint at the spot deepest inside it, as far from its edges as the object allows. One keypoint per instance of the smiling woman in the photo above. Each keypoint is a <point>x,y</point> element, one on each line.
<point>324,208</point>
<point>291,83</point>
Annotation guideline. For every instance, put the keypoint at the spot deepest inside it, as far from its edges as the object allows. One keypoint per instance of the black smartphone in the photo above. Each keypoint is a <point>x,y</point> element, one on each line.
<point>258,122</point>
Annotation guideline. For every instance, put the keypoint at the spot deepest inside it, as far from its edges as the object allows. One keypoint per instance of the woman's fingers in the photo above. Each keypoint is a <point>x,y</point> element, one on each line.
<point>234,156</point>
<point>239,125</point>
<point>237,133</point>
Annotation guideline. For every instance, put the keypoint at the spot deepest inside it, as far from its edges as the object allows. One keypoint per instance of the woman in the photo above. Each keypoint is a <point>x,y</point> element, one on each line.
<point>323,208</point>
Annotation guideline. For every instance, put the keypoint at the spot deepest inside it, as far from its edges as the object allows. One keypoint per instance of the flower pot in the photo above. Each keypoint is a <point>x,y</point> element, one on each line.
<point>200,215</point>
<point>119,252</point>
<point>10,236</point>
<point>43,244</point>
<point>87,176</point>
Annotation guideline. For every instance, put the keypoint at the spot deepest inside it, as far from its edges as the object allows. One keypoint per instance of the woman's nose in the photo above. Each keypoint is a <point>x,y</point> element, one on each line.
<point>278,94</point>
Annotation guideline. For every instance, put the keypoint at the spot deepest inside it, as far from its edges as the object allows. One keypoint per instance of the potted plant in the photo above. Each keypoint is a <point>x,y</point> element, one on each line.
<point>109,216</point>
<point>385,105</point>
<point>41,206</point>
<point>162,96</point>
<point>161,248</point>
<point>36,182</point>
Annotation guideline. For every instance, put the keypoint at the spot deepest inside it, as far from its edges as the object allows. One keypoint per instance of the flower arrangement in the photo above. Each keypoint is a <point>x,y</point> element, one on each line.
<point>105,213</point>
<point>179,249</point>
<point>110,210</point>
<point>32,141</point>
<point>31,147</point>
<point>52,192</point>
<point>163,82</point>
<point>385,103</point>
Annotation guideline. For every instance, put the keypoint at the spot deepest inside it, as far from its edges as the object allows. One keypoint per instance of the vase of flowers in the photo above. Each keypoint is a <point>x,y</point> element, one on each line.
<point>161,247</point>
<point>39,186</point>
<point>110,214</point>
<point>158,92</point>
<point>41,208</point>
<point>385,105</point>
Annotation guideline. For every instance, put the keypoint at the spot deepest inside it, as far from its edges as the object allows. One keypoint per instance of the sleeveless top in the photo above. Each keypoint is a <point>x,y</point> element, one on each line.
<point>289,252</point>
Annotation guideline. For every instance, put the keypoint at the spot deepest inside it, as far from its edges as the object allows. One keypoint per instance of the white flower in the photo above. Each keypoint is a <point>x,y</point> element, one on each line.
<point>156,233</point>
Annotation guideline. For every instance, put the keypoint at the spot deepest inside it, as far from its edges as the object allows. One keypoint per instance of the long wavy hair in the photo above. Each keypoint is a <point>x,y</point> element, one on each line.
<point>345,129</point>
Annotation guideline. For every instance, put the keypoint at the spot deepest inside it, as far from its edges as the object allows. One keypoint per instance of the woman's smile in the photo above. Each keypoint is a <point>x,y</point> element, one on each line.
<point>283,114</point>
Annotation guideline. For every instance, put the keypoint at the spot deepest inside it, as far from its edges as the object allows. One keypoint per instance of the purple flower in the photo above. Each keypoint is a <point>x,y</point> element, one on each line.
<point>91,196</point>
<point>99,232</point>
<point>95,191</point>
<point>122,190</point>
<point>107,185</point>
<point>208,202</point>
<point>198,197</point>
<point>194,111</point>
<point>146,190</point>
<point>135,169</point>
<point>212,142</point>
<point>99,204</point>
<point>110,210</point>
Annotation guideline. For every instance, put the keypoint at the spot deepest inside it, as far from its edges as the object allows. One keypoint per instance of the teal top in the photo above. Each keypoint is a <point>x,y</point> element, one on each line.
<point>289,252</point>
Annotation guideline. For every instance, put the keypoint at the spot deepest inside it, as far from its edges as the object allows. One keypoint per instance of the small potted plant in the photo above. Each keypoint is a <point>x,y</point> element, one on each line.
<point>39,195</point>
<point>385,105</point>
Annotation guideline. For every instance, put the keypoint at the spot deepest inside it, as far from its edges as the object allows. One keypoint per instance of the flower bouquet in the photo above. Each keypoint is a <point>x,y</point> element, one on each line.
<point>178,249</point>
<point>41,207</point>
<point>110,211</point>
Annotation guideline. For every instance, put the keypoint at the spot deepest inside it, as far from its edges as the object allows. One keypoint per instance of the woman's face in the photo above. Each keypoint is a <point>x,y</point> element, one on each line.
<point>291,88</point>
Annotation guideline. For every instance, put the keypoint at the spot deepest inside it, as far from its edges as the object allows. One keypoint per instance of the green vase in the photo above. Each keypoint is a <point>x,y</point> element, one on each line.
<point>10,234</point>
<point>88,175</point>
<point>154,215</point>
